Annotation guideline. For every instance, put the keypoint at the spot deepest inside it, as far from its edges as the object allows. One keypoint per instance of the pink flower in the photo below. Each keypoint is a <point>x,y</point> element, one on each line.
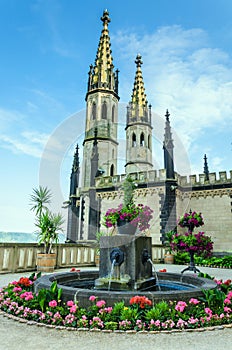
<point>52,303</point>
<point>14,283</point>
<point>194,301</point>
<point>100,303</point>
<point>208,311</point>
<point>227,301</point>
<point>73,309</point>
<point>92,298</point>
<point>219,282</point>
<point>180,306</point>
<point>27,296</point>
<point>193,320</point>
<point>227,309</point>
<point>17,289</point>
<point>181,323</point>
<point>70,303</point>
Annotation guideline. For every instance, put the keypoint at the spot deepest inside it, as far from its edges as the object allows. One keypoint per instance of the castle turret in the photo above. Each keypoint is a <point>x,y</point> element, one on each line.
<point>168,149</point>
<point>138,128</point>
<point>102,109</point>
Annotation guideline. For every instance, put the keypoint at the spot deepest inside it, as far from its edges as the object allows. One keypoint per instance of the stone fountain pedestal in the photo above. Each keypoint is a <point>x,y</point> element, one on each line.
<point>134,272</point>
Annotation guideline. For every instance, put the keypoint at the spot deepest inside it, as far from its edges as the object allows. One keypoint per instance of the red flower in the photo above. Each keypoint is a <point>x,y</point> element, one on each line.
<point>142,301</point>
<point>24,281</point>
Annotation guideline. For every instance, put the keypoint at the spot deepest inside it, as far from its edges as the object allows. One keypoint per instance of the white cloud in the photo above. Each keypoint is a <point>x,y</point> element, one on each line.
<point>7,117</point>
<point>184,74</point>
<point>29,143</point>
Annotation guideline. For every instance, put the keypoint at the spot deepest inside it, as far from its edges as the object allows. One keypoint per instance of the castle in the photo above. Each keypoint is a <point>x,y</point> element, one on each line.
<point>165,191</point>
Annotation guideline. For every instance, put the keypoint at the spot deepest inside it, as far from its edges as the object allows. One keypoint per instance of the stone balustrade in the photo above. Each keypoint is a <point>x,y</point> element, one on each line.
<point>19,257</point>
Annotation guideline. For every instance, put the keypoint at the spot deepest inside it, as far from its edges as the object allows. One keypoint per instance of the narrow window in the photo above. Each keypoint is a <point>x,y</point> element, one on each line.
<point>94,110</point>
<point>112,170</point>
<point>133,140</point>
<point>142,140</point>
<point>149,142</point>
<point>113,113</point>
<point>104,110</point>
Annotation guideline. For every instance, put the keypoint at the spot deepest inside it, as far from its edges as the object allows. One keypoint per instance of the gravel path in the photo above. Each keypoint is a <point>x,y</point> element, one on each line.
<point>20,336</point>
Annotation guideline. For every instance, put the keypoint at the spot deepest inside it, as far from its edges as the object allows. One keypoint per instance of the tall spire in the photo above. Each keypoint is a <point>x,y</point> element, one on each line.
<point>137,109</point>
<point>74,178</point>
<point>167,133</point>
<point>206,168</point>
<point>168,148</point>
<point>138,94</point>
<point>138,127</point>
<point>101,75</point>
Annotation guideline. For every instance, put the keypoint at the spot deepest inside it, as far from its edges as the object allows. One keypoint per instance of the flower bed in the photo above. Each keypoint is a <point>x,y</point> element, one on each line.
<point>214,309</point>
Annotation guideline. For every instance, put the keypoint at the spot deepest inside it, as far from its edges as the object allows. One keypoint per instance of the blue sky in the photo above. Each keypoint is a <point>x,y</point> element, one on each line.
<point>45,52</point>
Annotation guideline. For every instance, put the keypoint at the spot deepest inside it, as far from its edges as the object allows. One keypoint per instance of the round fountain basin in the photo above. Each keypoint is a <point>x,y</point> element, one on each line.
<point>79,286</point>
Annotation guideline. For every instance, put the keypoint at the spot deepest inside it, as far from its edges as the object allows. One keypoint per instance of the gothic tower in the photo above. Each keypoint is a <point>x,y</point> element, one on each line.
<point>101,109</point>
<point>138,127</point>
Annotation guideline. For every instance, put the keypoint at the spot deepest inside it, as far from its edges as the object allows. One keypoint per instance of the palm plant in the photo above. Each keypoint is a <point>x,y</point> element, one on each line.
<point>49,224</point>
<point>39,198</point>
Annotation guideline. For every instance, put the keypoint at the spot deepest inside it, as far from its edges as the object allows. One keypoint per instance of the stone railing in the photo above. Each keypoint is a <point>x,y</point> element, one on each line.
<point>19,257</point>
<point>158,252</point>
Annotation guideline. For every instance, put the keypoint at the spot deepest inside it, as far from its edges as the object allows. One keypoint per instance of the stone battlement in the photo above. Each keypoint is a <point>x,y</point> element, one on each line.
<point>199,180</point>
<point>140,177</point>
<point>157,176</point>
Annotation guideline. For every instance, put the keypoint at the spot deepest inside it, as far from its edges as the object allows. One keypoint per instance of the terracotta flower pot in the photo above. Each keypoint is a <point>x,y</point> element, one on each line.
<point>169,258</point>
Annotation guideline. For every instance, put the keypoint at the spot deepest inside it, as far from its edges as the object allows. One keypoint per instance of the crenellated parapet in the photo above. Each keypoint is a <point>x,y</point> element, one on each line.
<point>200,180</point>
<point>151,176</point>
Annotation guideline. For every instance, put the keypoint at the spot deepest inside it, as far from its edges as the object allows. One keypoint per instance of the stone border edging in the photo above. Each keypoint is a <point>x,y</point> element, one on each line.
<point>132,331</point>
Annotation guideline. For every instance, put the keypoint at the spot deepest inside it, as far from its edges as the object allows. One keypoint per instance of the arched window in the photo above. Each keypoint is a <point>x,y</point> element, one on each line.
<point>142,140</point>
<point>104,110</point>
<point>94,110</point>
<point>113,113</point>
<point>149,142</point>
<point>133,140</point>
<point>112,170</point>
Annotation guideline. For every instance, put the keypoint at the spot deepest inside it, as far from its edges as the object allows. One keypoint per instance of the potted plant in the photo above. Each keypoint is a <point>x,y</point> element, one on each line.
<point>169,256</point>
<point>49,225</point>
<point>198,243</point>
<point>128,216</point>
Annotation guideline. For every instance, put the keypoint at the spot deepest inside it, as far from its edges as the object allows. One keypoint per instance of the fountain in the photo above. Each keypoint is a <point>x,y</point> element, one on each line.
<point>126,269</point>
